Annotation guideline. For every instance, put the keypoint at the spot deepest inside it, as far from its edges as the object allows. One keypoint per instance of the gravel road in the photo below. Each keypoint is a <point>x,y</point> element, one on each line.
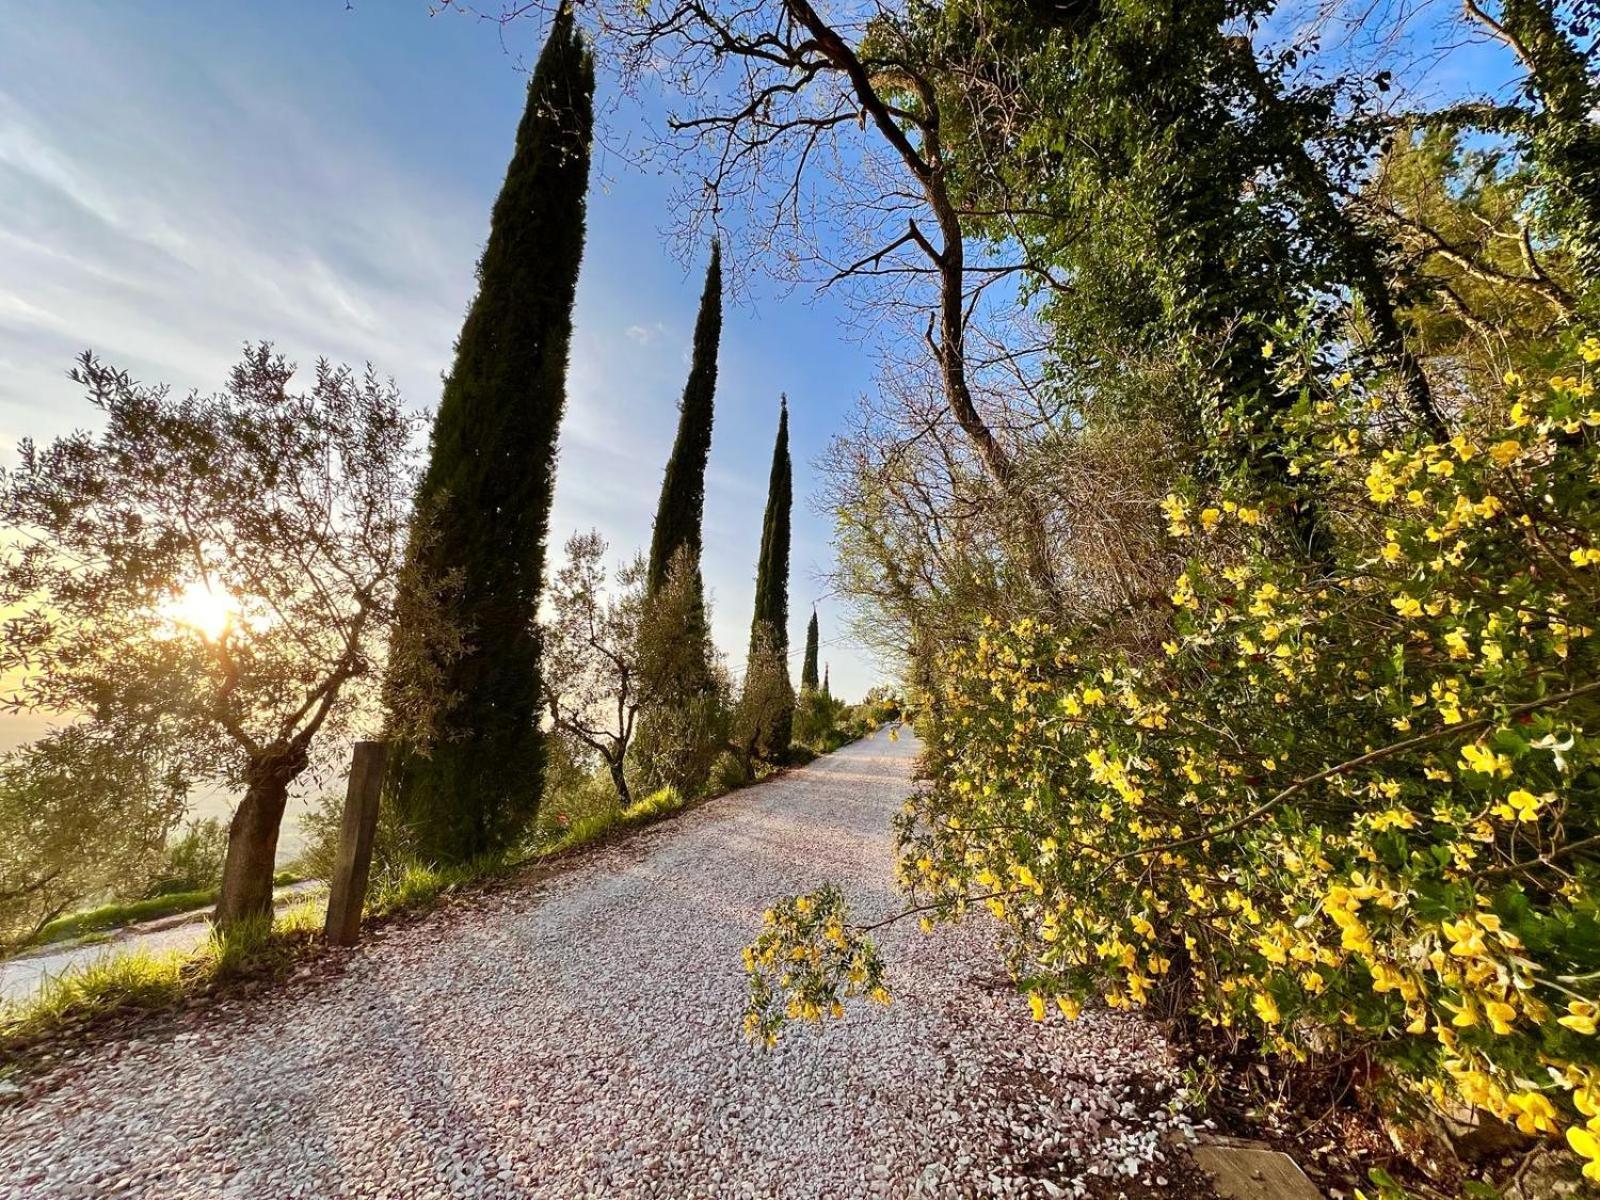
<point>580,1037</point>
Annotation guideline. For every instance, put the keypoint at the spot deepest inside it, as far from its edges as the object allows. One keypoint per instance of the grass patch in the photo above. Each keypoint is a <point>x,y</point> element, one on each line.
<point>113,916</point>
<point>595,826</point>
<point>132,912</point>
<point>417,885</point>
<point>140,979</point>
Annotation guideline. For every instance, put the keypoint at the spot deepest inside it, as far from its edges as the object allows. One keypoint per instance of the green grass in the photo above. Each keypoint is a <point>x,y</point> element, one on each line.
<point>154,979</point>
<point>113,916</point>
<point>596,826</point>
<point>132,912</point>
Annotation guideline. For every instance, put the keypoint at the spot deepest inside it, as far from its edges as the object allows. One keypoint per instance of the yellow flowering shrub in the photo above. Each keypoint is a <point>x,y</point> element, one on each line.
<point>1355,805</point>
<point>806,962</point>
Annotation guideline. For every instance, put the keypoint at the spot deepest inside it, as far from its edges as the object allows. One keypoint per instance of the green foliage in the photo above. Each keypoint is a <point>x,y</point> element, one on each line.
<point>808,666</point>
<point>727,773</point>
<point>821,723</point>
<point>683,489</point>
<point>685,726</point>
<point>1348,811</point>
<point>393,844</point>
<point>473,787</point>
<point>763,725</point>
<point>82,814</point>
<point>766,706</point>
<point>594,824</point>
<point>408,886</point>
<point>192,862</point>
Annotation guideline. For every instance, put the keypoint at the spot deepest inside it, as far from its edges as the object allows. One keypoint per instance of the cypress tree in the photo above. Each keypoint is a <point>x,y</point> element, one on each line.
<point>772,570</point>
<point>825,690</point>
<point>808,668</point>
<point>484,502</point>
<point>769,696</point>
<point>683,488</point>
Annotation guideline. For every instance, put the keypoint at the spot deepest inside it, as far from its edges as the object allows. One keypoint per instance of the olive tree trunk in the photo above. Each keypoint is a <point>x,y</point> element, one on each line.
<point>253,838</point>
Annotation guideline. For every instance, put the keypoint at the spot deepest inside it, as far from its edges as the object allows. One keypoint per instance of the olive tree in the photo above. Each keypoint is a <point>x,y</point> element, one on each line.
<point>84,810</point>
<point>593,686</point>
<point>212,575</point>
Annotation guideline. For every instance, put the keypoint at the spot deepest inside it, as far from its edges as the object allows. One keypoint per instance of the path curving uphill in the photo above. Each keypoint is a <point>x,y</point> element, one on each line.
<point>580,1037</point>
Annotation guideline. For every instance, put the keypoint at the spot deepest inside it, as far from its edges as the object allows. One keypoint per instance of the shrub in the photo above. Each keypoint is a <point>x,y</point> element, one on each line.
<point>727,773</point>
<point>192,862</point>
<point>683,718</point>
<point>1354,809</point>
<point>393,846</point>
<point>819,721</point>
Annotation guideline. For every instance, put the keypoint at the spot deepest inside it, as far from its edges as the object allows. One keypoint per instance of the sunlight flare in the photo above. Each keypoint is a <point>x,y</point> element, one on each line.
<point>208,611</point>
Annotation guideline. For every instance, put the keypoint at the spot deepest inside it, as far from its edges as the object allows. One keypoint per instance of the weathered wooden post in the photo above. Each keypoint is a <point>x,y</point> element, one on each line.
<point>348,891</point>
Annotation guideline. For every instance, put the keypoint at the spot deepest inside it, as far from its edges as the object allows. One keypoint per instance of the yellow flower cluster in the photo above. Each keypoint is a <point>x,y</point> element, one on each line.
<point>1355,802</point>
<point>1353,806</point>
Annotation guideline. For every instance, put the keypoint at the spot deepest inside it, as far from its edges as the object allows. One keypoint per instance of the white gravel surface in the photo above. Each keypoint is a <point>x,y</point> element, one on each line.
<point>581,1038</point>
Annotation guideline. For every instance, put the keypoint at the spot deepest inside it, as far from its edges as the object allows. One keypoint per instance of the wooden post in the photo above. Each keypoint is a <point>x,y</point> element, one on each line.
<point>347,893</point>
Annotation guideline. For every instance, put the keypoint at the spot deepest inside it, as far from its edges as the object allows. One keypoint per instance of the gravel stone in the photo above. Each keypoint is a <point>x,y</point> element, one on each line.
<point>580,1037</point>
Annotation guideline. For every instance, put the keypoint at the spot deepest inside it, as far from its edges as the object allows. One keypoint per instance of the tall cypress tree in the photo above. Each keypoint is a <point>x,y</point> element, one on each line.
<point>825,690</point>
<point>772,570</point>
<point>484,502</point>
<point>683,489</point>
<point>808,668</point>
<point>769,696</point>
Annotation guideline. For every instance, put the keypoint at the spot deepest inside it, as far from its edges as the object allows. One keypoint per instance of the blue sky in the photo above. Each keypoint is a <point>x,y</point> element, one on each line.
<point>179,178</point>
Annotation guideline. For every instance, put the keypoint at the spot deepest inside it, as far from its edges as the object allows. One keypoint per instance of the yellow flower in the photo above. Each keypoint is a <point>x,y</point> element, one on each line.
<point>1267,349</point>
<point>1520,805</point>
<point>1586,556</point>
<point>1478,757</point>
<point>1500,1015</point>
<point>1036,1005</point>
<point>1580,1017</point>
<point>1587,1145</point>
<point>1505,452</point>
<point>1069,1007</point>
<point>1380,484</point>
<point>1177,515</point>
<point>1467,939</point>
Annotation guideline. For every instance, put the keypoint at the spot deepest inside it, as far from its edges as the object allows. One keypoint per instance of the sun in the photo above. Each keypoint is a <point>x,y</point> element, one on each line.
<point>205,610</point>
